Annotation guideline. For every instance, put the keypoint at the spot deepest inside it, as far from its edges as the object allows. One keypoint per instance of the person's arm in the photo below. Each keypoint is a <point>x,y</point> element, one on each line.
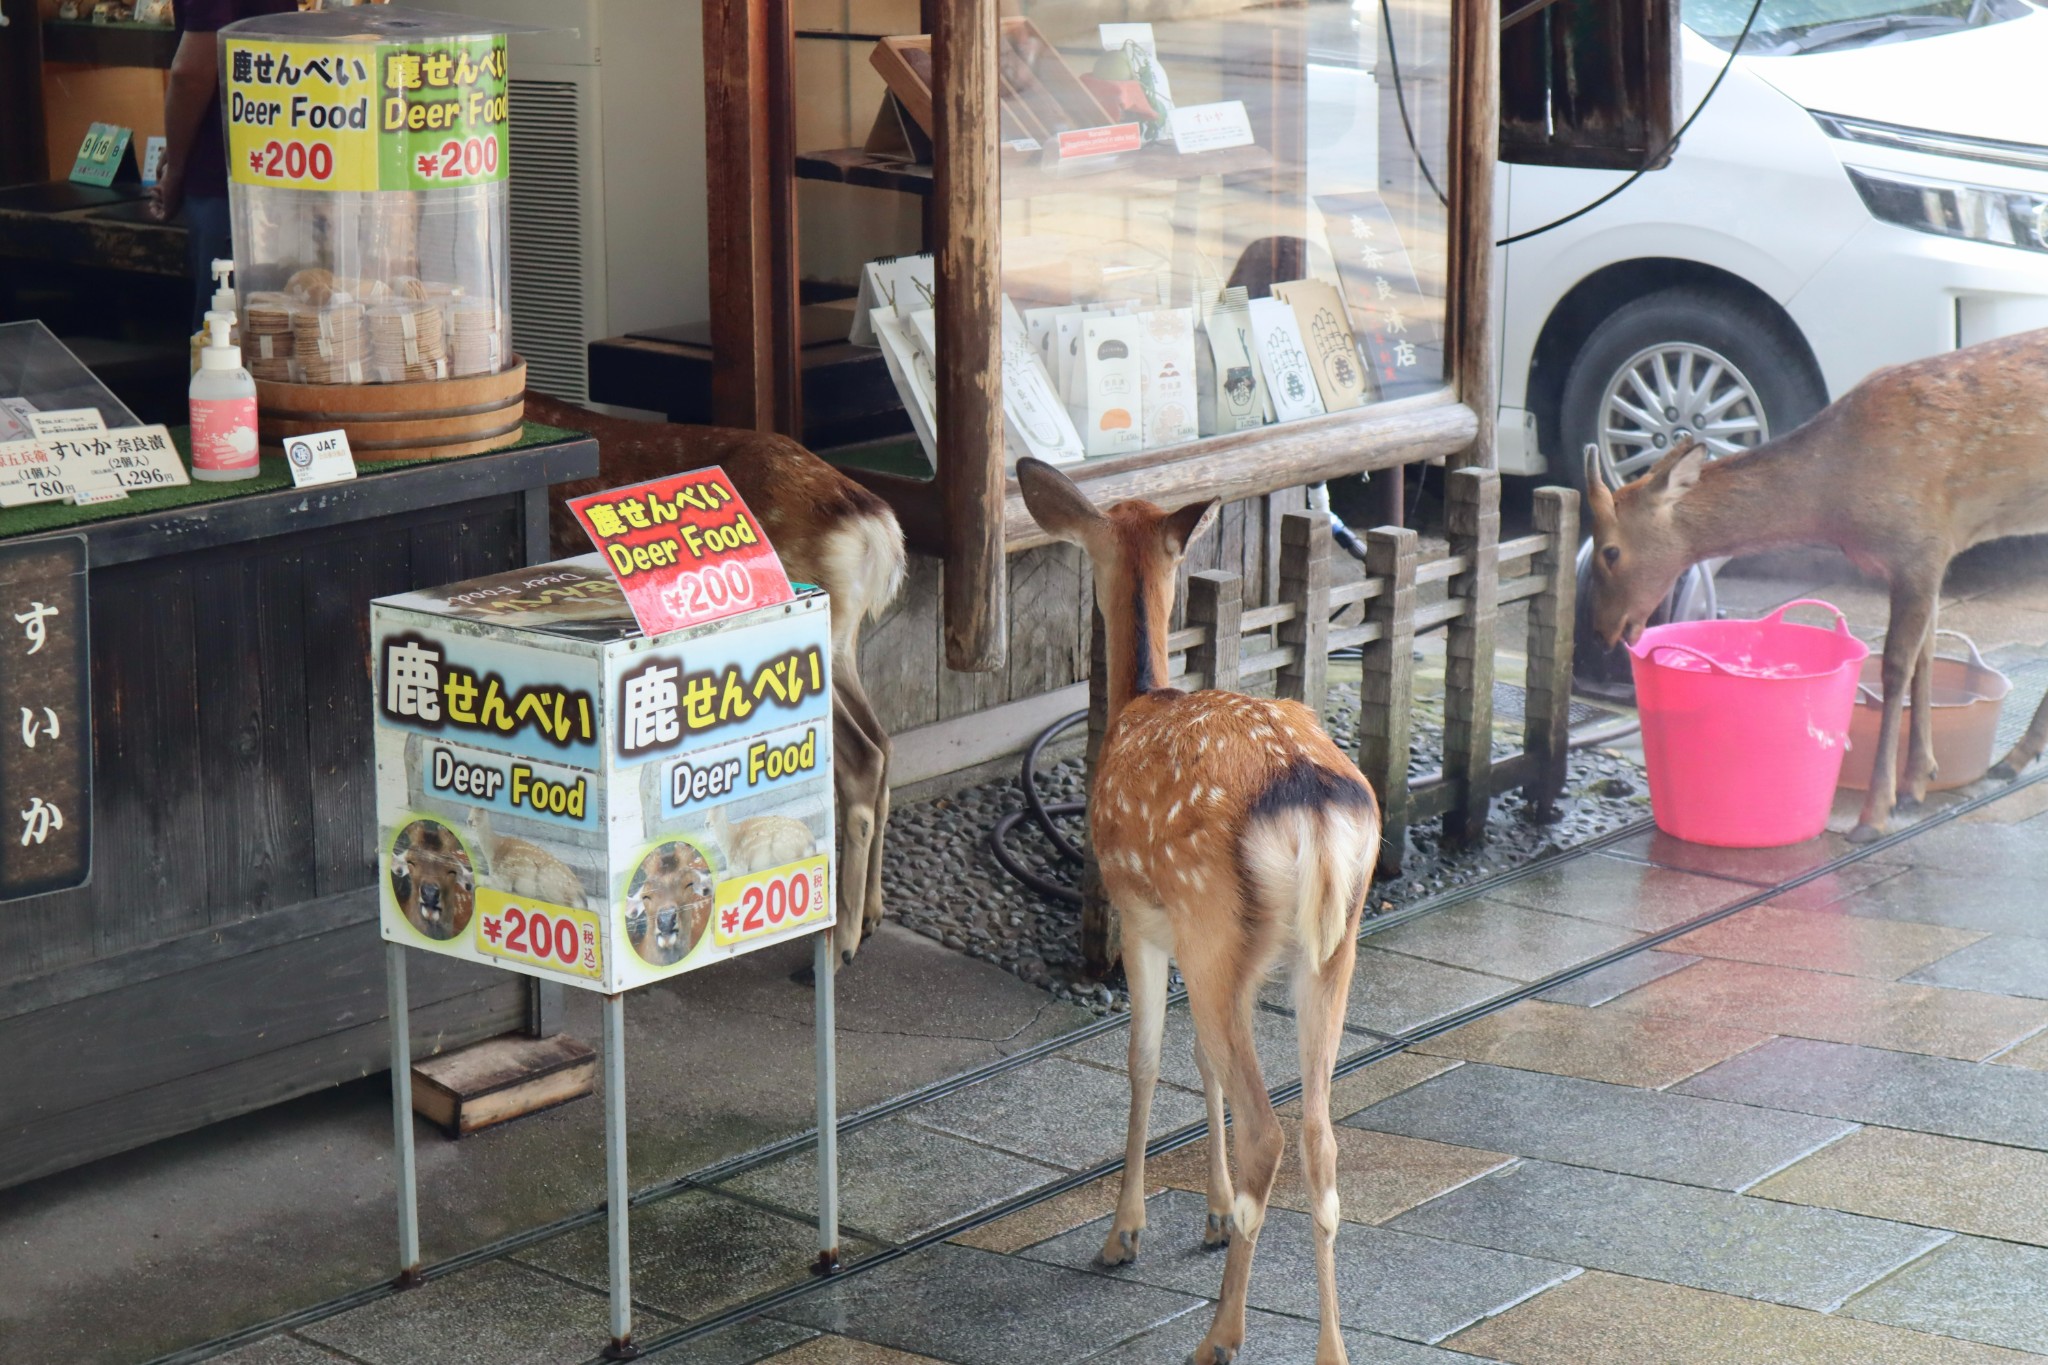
<point>195,80</point>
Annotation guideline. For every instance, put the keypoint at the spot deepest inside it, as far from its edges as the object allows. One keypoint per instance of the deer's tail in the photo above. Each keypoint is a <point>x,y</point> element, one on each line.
<point>864,562</point>
<point>1312,860</point>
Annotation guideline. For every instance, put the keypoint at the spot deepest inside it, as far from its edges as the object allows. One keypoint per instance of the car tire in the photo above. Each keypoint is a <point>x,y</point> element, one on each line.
<point>1767,379</point>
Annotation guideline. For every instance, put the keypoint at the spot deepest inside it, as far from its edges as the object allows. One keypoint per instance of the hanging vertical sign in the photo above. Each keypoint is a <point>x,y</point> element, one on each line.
<point>1398,325</point>
<point>45,718</point>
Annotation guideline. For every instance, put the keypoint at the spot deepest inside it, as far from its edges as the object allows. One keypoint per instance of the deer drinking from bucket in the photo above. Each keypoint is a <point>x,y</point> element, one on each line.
<point>828,530</point>
<point>1232,836</point>
<point>1905,471</point>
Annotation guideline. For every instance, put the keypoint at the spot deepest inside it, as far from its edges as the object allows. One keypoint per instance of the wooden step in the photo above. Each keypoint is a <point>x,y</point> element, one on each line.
<point>501,1079</point>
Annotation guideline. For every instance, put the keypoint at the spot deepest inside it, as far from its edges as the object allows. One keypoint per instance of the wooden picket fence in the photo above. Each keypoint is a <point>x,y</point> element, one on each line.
<point>1293,638</point>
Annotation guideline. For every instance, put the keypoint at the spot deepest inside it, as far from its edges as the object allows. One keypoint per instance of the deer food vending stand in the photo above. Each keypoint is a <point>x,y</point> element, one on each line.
<point>606,772</point>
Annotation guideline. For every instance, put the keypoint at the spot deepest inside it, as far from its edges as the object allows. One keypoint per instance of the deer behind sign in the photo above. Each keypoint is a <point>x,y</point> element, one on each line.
<point>1905,471</point>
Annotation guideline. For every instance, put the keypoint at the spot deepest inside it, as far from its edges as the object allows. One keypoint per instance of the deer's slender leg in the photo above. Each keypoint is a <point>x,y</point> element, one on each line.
<point>2028,749</point>
<point>1216,1235</point>
<point>1220,993</point>
<point>1912,612</point>
<point>1920,765</point>
<point>856,765</point>
<point>1145,958</point>
<point>849,690</point>
<point>1320,995</point>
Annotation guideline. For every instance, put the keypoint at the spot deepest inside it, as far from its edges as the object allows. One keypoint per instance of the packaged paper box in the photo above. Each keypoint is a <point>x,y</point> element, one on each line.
<point>563,796</point>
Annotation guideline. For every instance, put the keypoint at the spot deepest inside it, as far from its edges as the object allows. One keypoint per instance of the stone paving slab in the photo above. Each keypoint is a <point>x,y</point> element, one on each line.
<point>831,1350</point>
<point>1378,1174</point>
<point>280,1350</point>
<point>1618,978</point>
<point>741,1344</point>
<point>1826,941</point>
<point>958,1304</point>
<point>1609,1127</point>
<point>1279,1054</point>
<point>1621,891</point>
<point>1990,900</point>
<point>1758,866</point>
<point>1941,1182</point>
<point>498,1313</point>
<point>1391,994</point>
<point>1830,887</point>
<point>2001,964</point>
<point>696,1254</point>
<point>1050,1217</point>
<point>1013,1112</point>
<point>1487,935</point>
<point>897,1180</point>
<point>2032,1054</point>
<point>1968,1025</point>
<point>1708,1239</point>
<point>1641,1050</point>
<point>1972,846</point>
<point>1895,1089</point>
<point>1603,1319</point>
<point>1416,1288</point>
<point>1270,1339</point>
<point>1980,1290</point>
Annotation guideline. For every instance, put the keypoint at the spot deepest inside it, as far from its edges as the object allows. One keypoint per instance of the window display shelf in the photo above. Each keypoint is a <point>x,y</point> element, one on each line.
<point>90,44</point>
<point>1024,180</point>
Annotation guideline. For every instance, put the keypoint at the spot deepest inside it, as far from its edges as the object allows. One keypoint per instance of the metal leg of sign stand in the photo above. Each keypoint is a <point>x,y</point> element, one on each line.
<point>825,968</point>
<point>398,1010</point>
<point>617,1210</point>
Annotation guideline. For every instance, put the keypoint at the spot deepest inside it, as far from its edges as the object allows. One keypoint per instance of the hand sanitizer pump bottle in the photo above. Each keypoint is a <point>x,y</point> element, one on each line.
<point>223,408</point>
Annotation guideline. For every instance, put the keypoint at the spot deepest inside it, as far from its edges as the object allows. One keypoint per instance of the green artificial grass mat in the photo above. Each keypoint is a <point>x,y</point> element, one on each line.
<point>38,517</point>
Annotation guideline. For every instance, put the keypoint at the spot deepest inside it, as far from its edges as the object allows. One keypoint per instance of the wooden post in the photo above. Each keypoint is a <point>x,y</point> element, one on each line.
<point>1386,688</point>
<point>1216,603</point>
<point>746,118</point>
<point>969,274</point>
<point>1473,512</point>
<point>1305,582</point>
<point>1101,936</point>
<point>1546,709</point>
<point>1475,146</point>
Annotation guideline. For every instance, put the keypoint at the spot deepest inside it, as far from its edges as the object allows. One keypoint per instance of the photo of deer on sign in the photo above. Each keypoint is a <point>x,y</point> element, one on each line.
<point>685,549</point>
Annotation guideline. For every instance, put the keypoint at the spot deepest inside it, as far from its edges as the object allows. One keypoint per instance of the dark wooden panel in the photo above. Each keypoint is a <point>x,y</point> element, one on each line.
<point>156,1030</point>
<point>1048,620</point>
<point>339,715</point>
<point>1591,83</point>
<point>899,655</point>
<point>249,619</point>
<point>56,1142</point>
<point>151,879</point>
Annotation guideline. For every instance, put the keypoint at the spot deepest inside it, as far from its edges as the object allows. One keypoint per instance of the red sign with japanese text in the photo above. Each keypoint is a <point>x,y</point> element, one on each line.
<point>685,549</point>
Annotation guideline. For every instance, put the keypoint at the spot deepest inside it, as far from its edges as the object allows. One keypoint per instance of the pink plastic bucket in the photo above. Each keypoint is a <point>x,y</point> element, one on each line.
<point>1745,724</point>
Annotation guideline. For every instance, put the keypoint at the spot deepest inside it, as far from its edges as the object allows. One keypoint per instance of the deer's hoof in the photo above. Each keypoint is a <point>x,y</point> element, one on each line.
<point>1121,1249</point>
<point>1212,1355</point>
<point>1865,833</point>
<point>1216,1236</point>
<point>1907,801</point>
<point>2003,771</point>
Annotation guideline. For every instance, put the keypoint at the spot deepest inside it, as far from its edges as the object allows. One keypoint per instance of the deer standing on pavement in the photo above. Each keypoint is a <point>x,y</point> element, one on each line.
<point>829,531</point>
<point>1905,471</point>
<point>1232,835</point>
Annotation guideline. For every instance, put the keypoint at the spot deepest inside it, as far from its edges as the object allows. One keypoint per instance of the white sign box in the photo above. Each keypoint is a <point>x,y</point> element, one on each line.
<point>560,795</point>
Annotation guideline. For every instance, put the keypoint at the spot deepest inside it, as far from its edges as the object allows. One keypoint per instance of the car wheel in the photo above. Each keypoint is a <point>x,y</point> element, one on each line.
<point>1678,363</point>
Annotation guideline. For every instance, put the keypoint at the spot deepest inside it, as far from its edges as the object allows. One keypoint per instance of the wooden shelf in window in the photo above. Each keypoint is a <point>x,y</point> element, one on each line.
<point>1242,464</point>
<point>90,44</point>
<point>1023,180</point>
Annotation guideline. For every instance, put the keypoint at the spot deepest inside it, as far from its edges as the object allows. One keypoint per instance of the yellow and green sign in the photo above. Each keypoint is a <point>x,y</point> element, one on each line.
<point>366,116</point>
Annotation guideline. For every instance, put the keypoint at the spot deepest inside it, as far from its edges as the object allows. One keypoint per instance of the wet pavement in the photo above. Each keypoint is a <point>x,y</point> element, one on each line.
<point>1804,1123</point>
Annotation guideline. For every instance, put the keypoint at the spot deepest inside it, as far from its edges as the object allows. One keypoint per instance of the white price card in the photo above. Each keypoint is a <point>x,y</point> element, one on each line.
<point>322,457</point>
<point>29,473</point>
<point>101,464</point>
<point>65,421</point>
<point>1207,127</point>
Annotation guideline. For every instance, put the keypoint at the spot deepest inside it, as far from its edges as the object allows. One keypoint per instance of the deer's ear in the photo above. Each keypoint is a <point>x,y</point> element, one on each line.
<point>1183,528</point>
<point>1060,509</point>
<point>1675,474</point>
<point>1599,497</point>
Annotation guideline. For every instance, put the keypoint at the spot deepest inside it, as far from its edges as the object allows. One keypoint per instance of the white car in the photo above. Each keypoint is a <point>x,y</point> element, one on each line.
<point>1868,186</point>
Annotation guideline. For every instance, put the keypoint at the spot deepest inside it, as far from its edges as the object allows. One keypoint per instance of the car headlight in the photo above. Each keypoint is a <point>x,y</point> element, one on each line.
<point>1976,213</point>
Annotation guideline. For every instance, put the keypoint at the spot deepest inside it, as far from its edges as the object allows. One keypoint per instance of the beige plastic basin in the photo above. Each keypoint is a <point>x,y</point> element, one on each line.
<point>1968,694</point>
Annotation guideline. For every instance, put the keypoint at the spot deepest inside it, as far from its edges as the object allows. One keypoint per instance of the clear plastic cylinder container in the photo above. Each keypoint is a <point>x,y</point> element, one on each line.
<point>367,167</point>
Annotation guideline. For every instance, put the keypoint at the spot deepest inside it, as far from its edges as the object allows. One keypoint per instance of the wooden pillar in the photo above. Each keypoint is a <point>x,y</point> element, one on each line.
<point>749,151</point>
<point>1216,604</point>
<point>1472,509</point>
<point>1475,144</point>
<point>1101,935</point>
<point>1305,582</point>
<point>1386,689</point>
<point>969,272</point>
<point>1546,709</point>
